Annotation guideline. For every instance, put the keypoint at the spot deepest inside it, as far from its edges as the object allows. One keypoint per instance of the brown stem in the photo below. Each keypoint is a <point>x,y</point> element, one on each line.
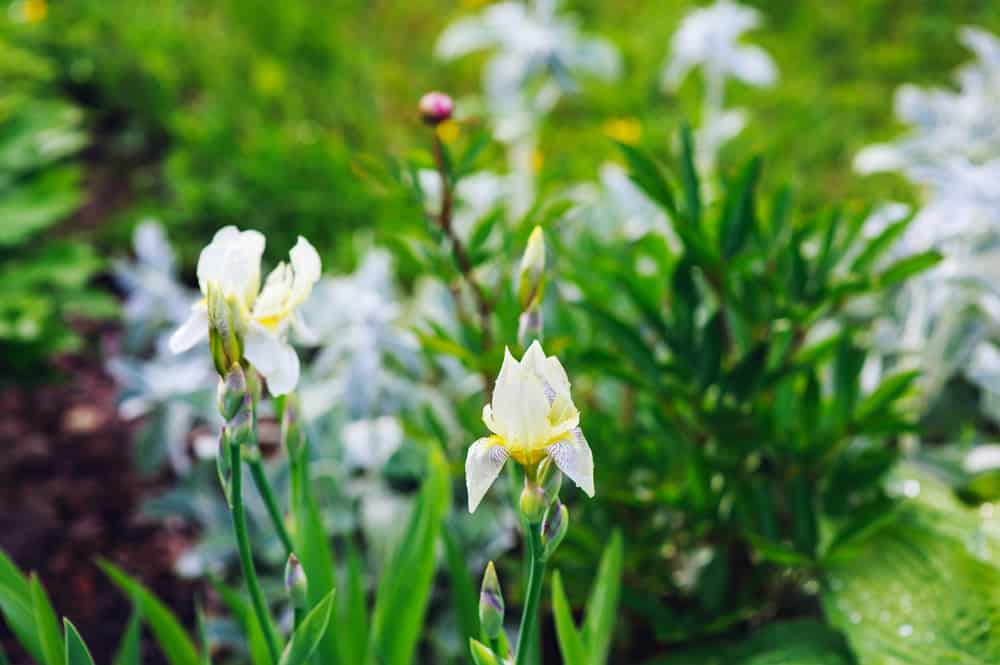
<point>483,306</point>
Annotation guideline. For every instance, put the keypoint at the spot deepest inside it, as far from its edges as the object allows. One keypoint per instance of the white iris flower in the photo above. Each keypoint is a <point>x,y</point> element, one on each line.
<point>532,417</point>
<point>229,278</point>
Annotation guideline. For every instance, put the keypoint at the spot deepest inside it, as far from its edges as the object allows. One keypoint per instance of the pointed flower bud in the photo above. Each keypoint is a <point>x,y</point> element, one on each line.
<point>482,654</point>
<point>236,407</point>
<point>296,585</point>
<point>550,479</point>
<point>554,528</point>
<point>532,502</point>
<point>491,606</point>
<point>531,275</point>
<point>436,107</point>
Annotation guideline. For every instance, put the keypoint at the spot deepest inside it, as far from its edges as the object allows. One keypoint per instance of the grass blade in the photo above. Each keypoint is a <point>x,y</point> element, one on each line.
<point>602,608</point>
<point>570,641</point>
<point>167,629</point>
<point>128,649</point>
<point>46,624</point>
<point>77,652</point>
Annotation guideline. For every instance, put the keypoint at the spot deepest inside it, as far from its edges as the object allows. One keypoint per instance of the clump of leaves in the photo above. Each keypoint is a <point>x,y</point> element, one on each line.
<point>45,283</point>
<point>737,441</point>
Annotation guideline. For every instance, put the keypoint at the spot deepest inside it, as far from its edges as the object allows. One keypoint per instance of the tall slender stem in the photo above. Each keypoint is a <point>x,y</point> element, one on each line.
<point>266,493</point>
<point>529,618</point>
<point>246,555</point>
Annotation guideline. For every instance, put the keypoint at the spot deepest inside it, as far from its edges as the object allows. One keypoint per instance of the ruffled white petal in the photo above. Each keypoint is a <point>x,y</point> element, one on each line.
<point>307,267</point>
<point>232,261</point>
<point>483,464</point>
<point>303,331</point>
<point>273,357</point>
<point>520,405</point>
<point>192,331</point>
<point>573,457</point>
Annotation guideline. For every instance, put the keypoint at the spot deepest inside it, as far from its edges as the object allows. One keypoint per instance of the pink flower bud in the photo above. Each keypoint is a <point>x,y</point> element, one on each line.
<point>436,107</point>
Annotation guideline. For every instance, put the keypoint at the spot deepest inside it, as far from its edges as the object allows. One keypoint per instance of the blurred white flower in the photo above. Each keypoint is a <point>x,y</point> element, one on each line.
<point>235,305</point>
<point>709,38</point>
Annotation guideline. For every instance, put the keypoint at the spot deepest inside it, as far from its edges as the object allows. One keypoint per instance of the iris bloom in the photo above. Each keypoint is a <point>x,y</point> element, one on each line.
<point>532,417</point>
<point>236,307</point>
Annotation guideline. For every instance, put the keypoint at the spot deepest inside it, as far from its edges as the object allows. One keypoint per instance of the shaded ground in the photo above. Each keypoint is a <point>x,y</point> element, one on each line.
<point>69,495</point>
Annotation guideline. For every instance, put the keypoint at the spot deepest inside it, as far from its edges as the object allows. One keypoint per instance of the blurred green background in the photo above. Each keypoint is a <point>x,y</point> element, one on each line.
<point>253,112</point>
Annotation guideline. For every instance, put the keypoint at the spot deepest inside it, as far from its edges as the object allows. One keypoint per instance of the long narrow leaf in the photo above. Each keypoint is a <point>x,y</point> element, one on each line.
<point>310,632</point>
<point>77,652</point>
<point>46,624</point>
<point>463,592</point>
<point>404,591</point>
<point>246,618</point>
<point>602,607</point>
<point>167,629</point>
<point>571,645</point>
<point>352,640</point>
<point>128,650</point>
<point>16,606</point>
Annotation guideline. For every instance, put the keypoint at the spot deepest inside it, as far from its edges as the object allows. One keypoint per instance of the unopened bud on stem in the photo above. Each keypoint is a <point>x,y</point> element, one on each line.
<point>482,654</point>
<point>531,275</point>
<point>436,107</point>
<point>532,502</point>
<point>554,528</point>
<point>296,584</point>
<point>491,605</point>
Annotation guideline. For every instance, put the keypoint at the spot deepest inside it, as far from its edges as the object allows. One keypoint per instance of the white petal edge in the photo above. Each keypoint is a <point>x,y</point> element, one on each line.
<point>573,457</point>
<point>307,267</point>
<point>192,331</point>
<point>274,358</point>
<point>483,464</point>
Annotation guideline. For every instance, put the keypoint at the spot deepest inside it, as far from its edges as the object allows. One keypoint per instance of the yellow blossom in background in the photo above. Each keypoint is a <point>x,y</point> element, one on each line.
<point>623,130</point>
<point>448,131</point>
<point>269,77</point>
<point>537,161</point>
<point>30,11</point>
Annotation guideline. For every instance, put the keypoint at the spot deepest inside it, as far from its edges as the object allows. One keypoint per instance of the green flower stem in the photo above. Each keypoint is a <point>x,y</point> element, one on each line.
<point>536,573</point>
<point>246,555</point>
<point>266,493</point>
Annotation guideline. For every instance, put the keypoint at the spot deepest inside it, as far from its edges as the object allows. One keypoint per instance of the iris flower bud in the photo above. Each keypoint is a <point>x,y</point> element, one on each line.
<point>482,654</point>
<point>554,528</point>
<point>296,585</point>
<point>531,275</point>
<point>491,605</point>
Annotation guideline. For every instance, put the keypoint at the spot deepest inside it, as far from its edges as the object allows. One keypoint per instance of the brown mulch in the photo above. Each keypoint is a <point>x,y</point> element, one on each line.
<point>69,495</point>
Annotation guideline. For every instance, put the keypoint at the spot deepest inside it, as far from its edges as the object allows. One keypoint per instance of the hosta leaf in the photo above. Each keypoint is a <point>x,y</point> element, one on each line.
<point>911,596</point>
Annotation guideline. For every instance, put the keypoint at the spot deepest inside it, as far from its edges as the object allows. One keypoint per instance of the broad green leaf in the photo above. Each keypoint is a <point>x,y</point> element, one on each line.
<point>46,624</point>
<point>16,605</point>
<point>602,608</point>
<point>794,642</point>
<point>404,591</point>
<point>913,596</point>
<point>174,642</point>
<point>352,621</point>
<point>305,640</point>
<point>246,619</point>
<point>465,598</point>
<point>77,652</point>
<point>571,645</point>
<point>129,649</point>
